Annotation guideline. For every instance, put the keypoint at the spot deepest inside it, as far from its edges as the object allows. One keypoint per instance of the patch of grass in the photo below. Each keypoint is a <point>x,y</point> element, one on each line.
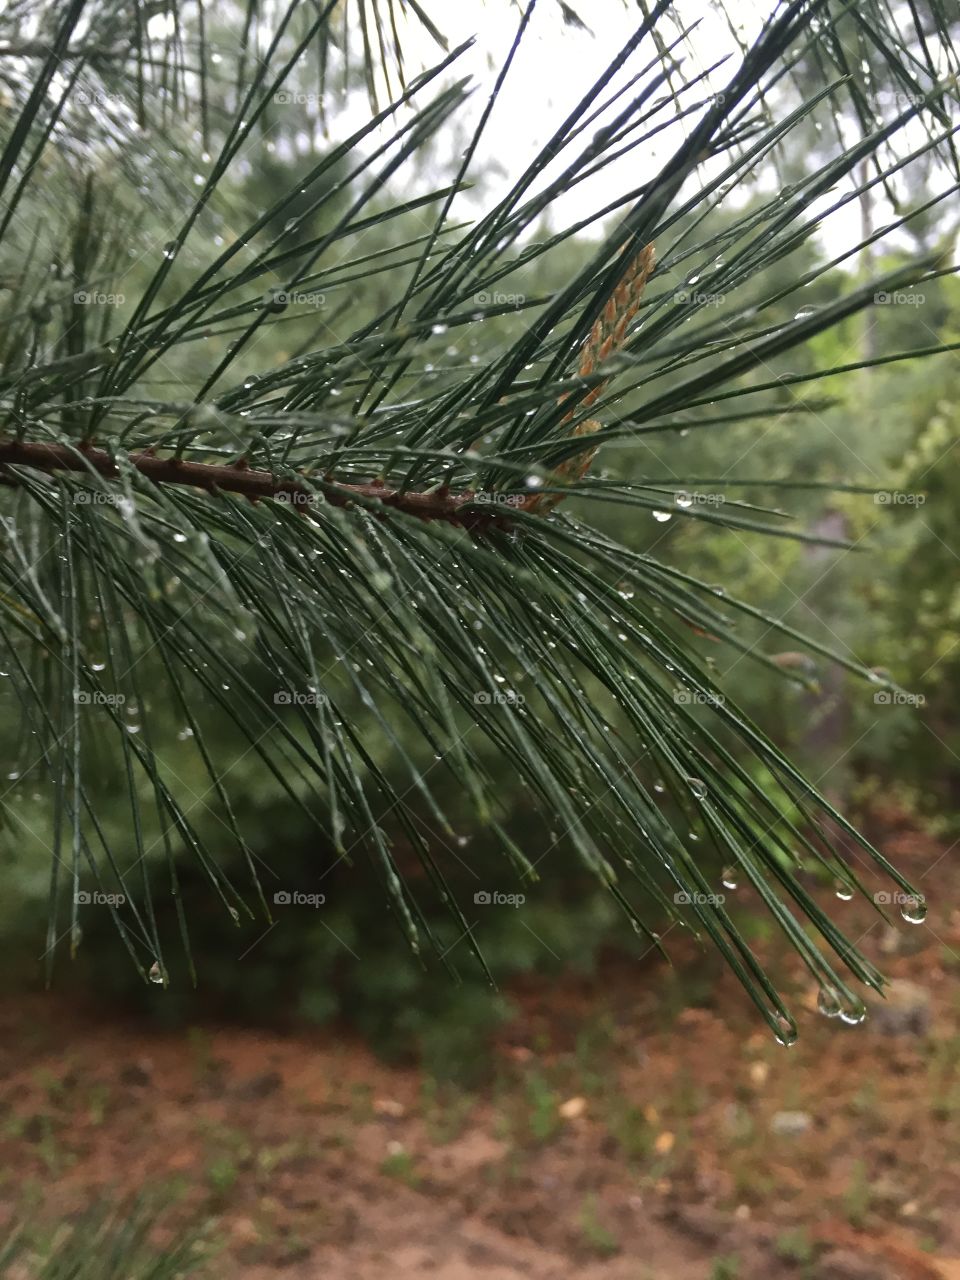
<point>400,1165</point>
<point>98,1101</point>
<point>543,1118</point>
<point>725,1268</point>
<point>631,1130</point>
<point>222,1174</point>
<point>795,1246</point>
<point>857,1198</point>
<point>594,1233</point>
<point>446,1109</point>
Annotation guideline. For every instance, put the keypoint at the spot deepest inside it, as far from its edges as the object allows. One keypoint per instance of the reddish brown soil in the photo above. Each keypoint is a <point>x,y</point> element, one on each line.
<point>620,1140</point>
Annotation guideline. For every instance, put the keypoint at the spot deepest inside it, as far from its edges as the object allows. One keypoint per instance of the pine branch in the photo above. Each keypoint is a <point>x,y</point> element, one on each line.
<point>453,508</point>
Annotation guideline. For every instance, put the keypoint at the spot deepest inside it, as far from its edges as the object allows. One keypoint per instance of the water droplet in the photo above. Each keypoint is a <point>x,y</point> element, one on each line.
<point>248,383</point>
<point>828,1002</point>
<point>659,787</point>
<point>683,499</point>
<point>853,1013</point>
<point>914,910</point>
<point>843,891</point>
<point>698,788</point>
<point>533,482</point>
<point>179,537</point>
<point>728,878</point>
<point>804,313</point>
<point>170,249</point>
<point>155,973</point>
<point>662,516</point>
<point>785,1030</point>
<point>438,328</point>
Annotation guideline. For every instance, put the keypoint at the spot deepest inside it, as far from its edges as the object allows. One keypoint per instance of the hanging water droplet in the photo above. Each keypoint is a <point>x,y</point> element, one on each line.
<point>683,499</point>
<point>853,1013</point>
<point>785,1031</point>
<point>438,328</point>
<point>662,516</point>
<point>533,482</point>
<point>170,249</point>
<point>804,313</point>
<point>235,914</point>
<point>97,666</point>
<point>728,878</point>
<point>659,787</point>
<point>828,1002</point>
<point>155,973</point>
<point>249,382</point>
<point>914,910</point>
<point>179,537</point>
<point>698,788</point>
<point>843,891</point>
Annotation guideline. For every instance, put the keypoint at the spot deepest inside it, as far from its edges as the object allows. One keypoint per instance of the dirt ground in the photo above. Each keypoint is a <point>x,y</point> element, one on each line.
<point>623,1135</point>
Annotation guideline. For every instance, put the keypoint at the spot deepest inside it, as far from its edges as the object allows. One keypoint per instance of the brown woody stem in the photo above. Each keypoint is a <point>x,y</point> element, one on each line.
<point>213,477</point>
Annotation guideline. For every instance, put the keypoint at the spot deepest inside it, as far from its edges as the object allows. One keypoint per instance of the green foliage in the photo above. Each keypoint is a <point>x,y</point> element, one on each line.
<point>108,1244</point>
<point>323,567</point>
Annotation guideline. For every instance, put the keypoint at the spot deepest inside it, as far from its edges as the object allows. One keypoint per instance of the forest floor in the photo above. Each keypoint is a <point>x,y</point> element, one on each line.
<point>626,1135</point>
